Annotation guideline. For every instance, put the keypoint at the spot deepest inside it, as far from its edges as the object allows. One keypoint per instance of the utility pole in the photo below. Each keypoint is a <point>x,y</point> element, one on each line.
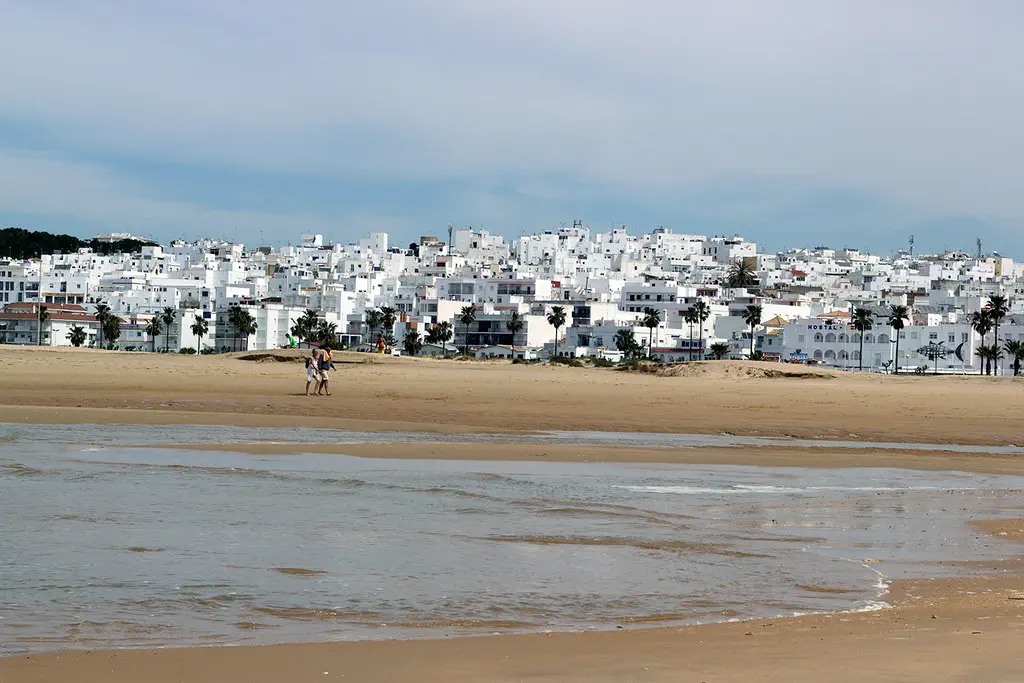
<point>450,228</point>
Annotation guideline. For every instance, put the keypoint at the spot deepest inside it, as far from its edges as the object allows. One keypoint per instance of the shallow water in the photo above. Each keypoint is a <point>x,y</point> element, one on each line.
<point>108,546</point>
<point>162,435</point>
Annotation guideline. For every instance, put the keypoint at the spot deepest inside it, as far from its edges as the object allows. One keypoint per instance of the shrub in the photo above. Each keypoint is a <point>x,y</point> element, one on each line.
<point>187,351</point>
<point>602,363</point>
<point>208,350</point>
<point>566,360</point>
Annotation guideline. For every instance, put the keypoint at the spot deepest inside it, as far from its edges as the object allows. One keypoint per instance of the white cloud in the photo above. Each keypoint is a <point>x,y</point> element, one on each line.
<point>913,101</point>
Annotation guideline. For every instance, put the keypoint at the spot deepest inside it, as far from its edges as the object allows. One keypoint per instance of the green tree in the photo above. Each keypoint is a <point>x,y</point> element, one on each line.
<point>42,315</point>
<point>325,333</point>
<point>1015,349</point>
<point>514,325</point>
<point>305,327</point>
<point>897,315</point>
<point>467,317</point>
<point>199,328</point>
<point>651,320</point>
<point>742,272</point>
<point>246,325</point>
<point>702,312</point>
<point>690,317</point>
<point>153,329</point>
<point>556,318</point>
<point>373,319</point>
<point>111,330</point>
<point>981,322</point>
<point>863,320</point>
<point>444,335</point>
<point>626,343</point>
<point>412,342</point>
<point>167,317</point>
<point>752,316</point>
<point>388,318</point>
<point>719,350</point>
<point>102,314</point>
<point>998,308</point>
<point>77,336</point>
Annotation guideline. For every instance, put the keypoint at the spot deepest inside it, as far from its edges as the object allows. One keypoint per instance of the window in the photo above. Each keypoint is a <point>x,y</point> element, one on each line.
<point>830,338</point>
<point>869,339</point>
<point>800,338</point>
<point>952,338</point>
<point>818,337</point>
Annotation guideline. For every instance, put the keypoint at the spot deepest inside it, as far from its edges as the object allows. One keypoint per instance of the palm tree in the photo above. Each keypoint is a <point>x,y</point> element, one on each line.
<point>1015,349</point>
<point>444,335</point>
<point>651,320</point>
<point>515,325</point>
<point>373,319</point>
<point>998,308</point>
<point>111,329</point>
<point>43,316</point>
<point>412,342</point>
<point>467,317</point>
<point>556,318</point>
<point>752,316</point>
<point>981,322</point>
<point>742,273</point>
<point>863,320</point>
<point>388,318</point>
<point>102,313</point>
<point>306,326</point>
<point>246,325</point>
<point>235,320</point>
<point>989,355</point>
<point>702,312</point>
<point>77,336</point>
<point>167,318</point>
<point>626,342</point>
<point>719,350</point>
<point>897,314</point>
<point>199,328</point>
<point>690,317</point>
<point>153,329</point>
<point>325,333</point>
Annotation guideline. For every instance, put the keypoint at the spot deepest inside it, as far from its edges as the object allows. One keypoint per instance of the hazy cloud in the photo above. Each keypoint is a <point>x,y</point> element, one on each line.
<point>537,111</point>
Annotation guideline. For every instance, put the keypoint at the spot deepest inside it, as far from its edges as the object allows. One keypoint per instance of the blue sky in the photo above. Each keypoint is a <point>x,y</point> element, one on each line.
<point>793,122</point>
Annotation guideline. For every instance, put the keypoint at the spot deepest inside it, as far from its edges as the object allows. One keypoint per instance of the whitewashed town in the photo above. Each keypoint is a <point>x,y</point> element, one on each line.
<point>565,294</point>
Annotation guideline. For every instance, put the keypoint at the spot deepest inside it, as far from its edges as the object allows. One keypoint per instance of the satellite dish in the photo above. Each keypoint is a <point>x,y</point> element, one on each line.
<point>960,352</point>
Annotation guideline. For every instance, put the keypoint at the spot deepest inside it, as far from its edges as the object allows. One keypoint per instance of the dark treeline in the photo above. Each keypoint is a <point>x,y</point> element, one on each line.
<point>24,244</point>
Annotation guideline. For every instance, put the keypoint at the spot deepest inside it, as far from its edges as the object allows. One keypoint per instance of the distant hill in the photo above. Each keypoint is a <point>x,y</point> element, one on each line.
<point>25,244</point>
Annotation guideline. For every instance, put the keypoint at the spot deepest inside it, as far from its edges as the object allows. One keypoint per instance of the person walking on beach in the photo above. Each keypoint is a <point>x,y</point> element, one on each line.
<point>312,372</point>
<point>326,364</point>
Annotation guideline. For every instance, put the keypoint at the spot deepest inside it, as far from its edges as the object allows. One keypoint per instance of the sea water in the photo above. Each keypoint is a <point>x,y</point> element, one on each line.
<point>114,546</point>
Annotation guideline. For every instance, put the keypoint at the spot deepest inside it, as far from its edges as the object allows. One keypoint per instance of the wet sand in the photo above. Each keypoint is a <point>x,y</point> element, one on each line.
<point>764,456</point>
<point>372,392</point>
<point>940,630</point>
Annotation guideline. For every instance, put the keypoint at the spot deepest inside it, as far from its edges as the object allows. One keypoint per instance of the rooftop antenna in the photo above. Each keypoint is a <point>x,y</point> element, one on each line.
<point>450,228</point>
<point>911,245</point>
<point>979,248</point>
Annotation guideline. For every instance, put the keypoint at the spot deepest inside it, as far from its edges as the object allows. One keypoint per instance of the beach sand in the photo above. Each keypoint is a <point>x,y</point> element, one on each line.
<point>373,392</point>
<point>967,629</point>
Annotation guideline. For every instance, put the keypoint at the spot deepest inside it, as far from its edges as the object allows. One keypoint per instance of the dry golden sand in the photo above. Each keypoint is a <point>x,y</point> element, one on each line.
<point>375,392</point>
<point>939,630</point>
